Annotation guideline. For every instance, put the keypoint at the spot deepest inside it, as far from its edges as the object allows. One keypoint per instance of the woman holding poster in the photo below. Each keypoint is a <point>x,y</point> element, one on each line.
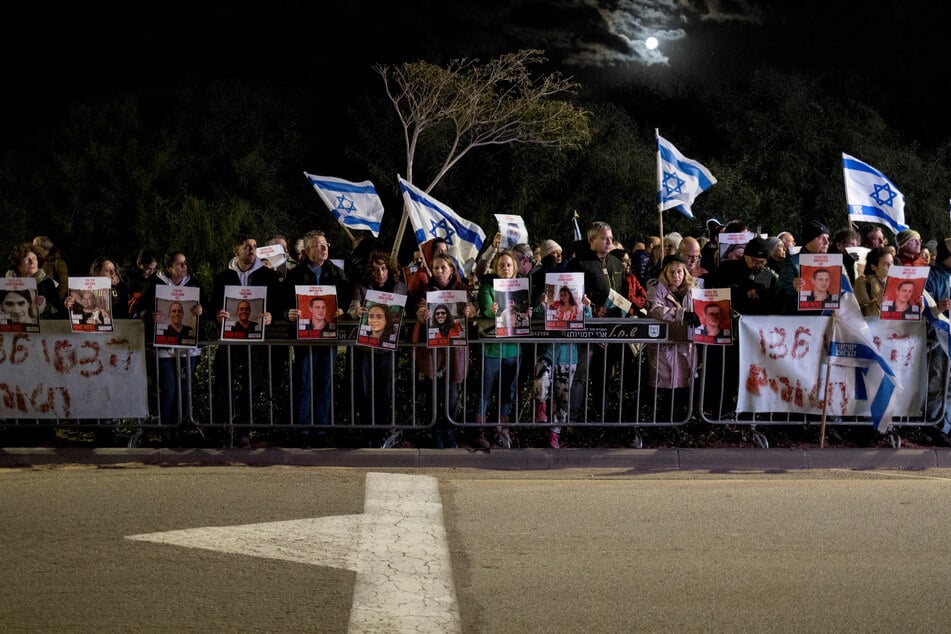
<point>672,365</point>
<point>500,360</point>
<point>374,368</point>
<point>441,364</point>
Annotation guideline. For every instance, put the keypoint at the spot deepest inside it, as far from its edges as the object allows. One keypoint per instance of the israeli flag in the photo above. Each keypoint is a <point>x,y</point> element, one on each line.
<point>354,205</point>
<point>432,219</point>
<point>851,344</point>
<point>679,179</point>
<point>871,197</point>
<point>938,321</point>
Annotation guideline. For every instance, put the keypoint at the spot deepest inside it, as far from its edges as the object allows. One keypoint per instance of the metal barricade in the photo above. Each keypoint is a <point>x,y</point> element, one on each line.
<point>721,377</point>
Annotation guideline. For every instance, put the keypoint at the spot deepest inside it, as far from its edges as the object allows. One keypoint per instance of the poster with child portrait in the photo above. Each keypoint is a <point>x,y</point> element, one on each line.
<point>317,312</point>
<point>380,324</point>
<point>447,318</point>
<point>246,306</point>
<point>712,306</point>
<point>902,299</point>
<point>176,315</point>
<point>18,305</point>
<point>89,303</point>
<point>821,275</point>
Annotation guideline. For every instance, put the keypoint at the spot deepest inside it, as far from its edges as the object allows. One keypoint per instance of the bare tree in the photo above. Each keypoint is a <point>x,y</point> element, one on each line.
<point>492,104</point>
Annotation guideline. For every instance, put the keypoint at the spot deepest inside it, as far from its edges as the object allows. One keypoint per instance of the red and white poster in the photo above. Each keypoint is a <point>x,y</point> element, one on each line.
<point>712,306</point>
<point>821,275</point>
<point>902,299</point>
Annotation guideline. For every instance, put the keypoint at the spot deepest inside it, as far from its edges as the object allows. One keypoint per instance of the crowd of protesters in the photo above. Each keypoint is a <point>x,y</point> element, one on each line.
<point>655,274</point>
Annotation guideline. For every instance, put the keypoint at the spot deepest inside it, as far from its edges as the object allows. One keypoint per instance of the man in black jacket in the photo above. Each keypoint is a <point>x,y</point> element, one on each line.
<point>315,364</point>
<point>602,273</point>
<point>244,269</point>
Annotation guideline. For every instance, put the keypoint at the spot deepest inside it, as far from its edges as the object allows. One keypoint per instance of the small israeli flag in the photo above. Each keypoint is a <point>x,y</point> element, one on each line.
<point>354,205</point>
<point>679,179</point>
<point>871,197</point>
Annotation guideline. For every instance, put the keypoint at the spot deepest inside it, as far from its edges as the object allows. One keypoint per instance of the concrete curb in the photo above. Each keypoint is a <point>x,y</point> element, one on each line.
<point>715,460</point>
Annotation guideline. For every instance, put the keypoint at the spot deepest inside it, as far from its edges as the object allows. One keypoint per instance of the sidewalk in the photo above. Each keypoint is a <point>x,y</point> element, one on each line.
<point>720,460</point>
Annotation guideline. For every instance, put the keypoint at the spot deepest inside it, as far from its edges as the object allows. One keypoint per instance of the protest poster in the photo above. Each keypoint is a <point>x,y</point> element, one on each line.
<point>821,275</point>
<point>512,299</point>
<point>712,306</point>
<point>316,312</point>
<point>176,315</point>
<point>89,303</point>
<point>733,245</point>
<point>274,257</point>
<point>901,299</point>
<point>512,229</point>
<point>616,300</point>
<point>783,360</point>
<point>380,323</point>
<point>246,306</point>
<point>564,292</point>
<point>19,311</point>
<point>447,318</point>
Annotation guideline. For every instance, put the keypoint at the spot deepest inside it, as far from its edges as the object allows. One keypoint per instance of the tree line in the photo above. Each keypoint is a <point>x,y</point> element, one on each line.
<point>189,165</point>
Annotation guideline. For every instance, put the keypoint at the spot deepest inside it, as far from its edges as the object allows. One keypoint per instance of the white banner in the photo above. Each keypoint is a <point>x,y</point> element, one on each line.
<point>59,374</point>
<point>783,361</point>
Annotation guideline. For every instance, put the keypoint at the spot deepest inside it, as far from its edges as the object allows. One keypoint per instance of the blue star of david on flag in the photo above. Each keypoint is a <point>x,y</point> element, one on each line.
<point>354,205</point>
<point>871,197</point>
<point>679,179</point>
<point>889,195</point>
<point>432,219</point>
<point>673,184</point>
<point>442,229</point>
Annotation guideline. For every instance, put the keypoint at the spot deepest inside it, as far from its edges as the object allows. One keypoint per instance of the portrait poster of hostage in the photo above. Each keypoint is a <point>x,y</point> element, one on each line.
<point>18,308</point>
<point>380,323</point>
<point>821,280</point>
<point>712,306</point>
<point>176,315</point>
<point>903,296</point>
<point>245,306</point>
<point>317,306</point>
<point>89,304</point>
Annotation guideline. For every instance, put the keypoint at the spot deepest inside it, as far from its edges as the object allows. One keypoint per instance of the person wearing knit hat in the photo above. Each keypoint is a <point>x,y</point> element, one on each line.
<point>815,239</point>
<point>752,284</point>
<point>777,254</point>
<point>549,247</point>
<point>814,230</point>
<point>909,248</point>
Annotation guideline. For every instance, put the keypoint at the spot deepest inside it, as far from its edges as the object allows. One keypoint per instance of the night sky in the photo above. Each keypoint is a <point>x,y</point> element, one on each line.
<point>64,52</point>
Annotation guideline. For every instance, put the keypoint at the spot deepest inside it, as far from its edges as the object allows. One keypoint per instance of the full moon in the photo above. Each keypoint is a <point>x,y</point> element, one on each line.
<point>651,43</point>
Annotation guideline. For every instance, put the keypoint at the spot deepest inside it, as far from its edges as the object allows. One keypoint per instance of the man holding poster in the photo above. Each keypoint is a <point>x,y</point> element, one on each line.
<point>815,239</point>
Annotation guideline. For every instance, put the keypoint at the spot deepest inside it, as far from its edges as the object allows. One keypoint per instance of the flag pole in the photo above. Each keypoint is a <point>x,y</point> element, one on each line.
<point>399,233</point>
<point>660,185</point>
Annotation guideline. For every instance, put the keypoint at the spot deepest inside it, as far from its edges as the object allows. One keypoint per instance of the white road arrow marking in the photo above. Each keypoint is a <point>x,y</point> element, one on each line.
<point>397,547</point>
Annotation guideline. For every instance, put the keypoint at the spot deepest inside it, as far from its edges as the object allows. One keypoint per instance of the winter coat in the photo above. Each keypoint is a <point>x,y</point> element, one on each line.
<point>671,364</point>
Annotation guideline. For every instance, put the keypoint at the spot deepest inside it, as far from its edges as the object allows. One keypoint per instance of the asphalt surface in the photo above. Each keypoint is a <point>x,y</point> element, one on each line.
<point>658,460</point>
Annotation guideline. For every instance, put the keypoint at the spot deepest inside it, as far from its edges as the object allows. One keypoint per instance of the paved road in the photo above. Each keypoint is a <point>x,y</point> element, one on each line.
<point>558,550</point>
